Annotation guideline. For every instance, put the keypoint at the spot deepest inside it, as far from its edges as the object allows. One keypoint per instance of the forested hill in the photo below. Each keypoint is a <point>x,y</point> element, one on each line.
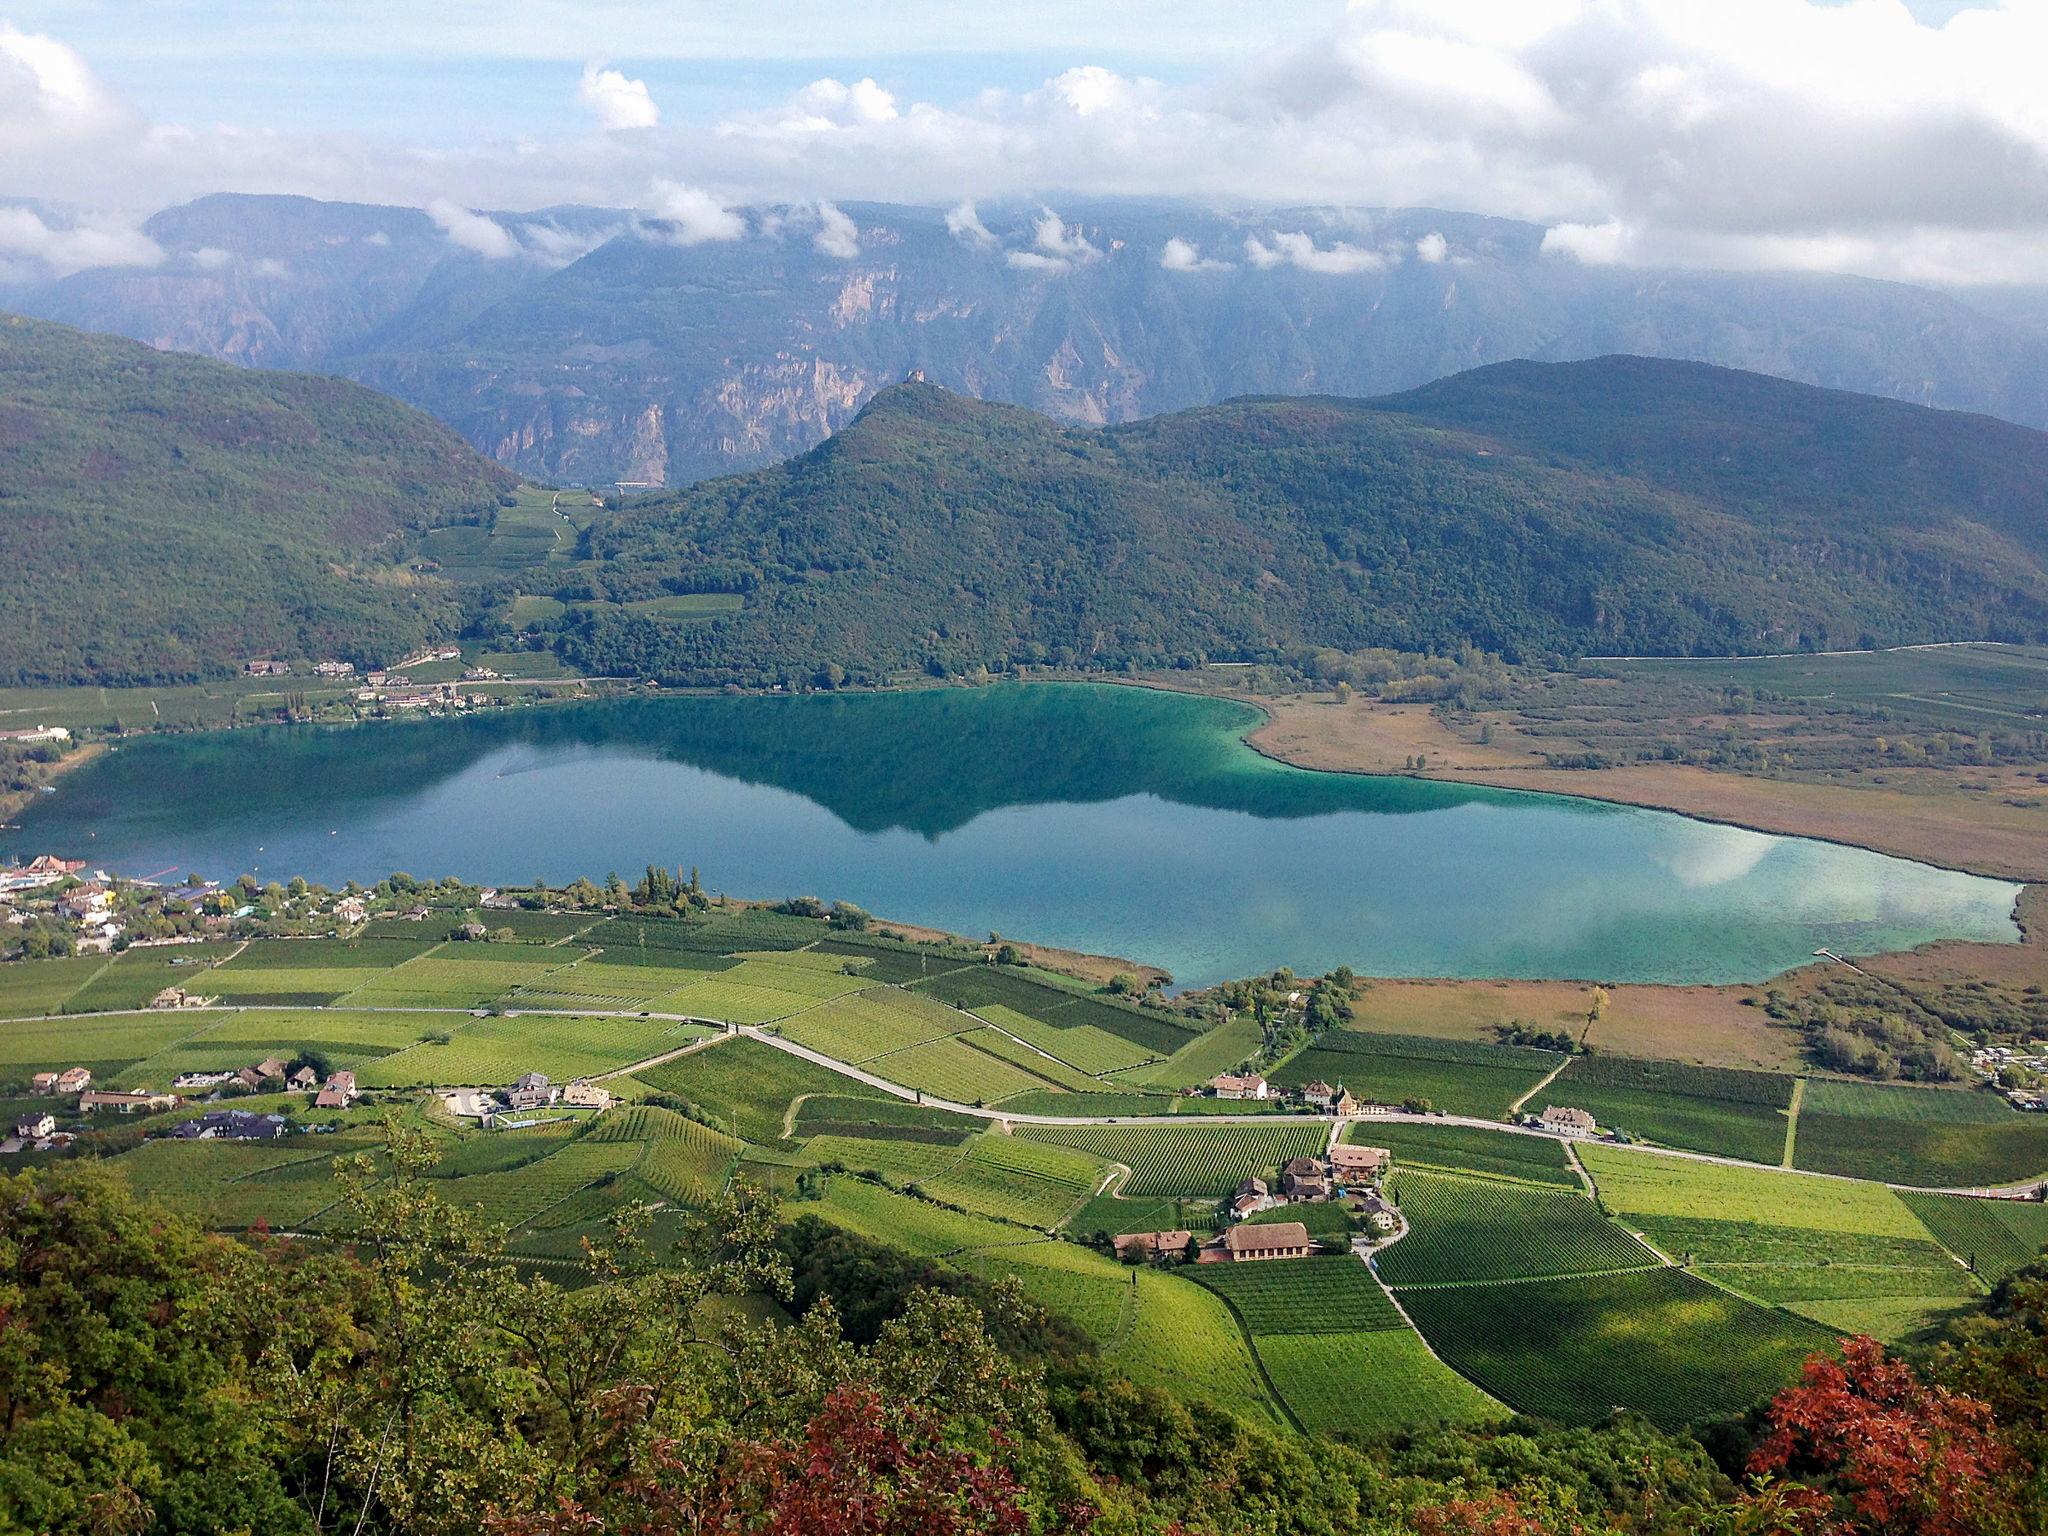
<point>1624,504</point>
<point>163,517</point>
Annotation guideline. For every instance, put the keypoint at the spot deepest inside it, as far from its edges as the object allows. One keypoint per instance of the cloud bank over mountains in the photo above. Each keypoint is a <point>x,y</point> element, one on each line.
<point>1749,134</point>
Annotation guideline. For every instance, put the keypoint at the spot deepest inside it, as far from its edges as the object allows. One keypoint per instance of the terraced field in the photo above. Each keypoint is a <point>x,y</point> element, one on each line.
<point>682,1160</point>
<point>1661,1342</point>
<point>1466,1229</point>
<point>1026,1182</point>
<point>1319,1296</point>
<point>1192,1159</point>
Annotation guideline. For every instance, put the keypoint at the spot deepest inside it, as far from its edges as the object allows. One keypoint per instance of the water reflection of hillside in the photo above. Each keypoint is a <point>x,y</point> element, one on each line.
<point>927,762</point>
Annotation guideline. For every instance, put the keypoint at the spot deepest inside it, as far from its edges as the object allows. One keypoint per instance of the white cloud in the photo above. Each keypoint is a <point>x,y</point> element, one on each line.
<point>615,101</point>
<point>553,246</point>
<point>1179,255</point>
<point>965,225</point>
<point>838,236</point>
<point>208,258</point>
<point>1299,249</point>
<point>691,215</point>
<point>1597,245</point>
<point>48,94</point>
<point>1432,248</point>
<point>1749,133</point>
<point>63,249</point>
<point>473,232</point>
<point>270,267</point>
<point>1054,237</point>
<point>1034,261</point>
<point>377,237</point>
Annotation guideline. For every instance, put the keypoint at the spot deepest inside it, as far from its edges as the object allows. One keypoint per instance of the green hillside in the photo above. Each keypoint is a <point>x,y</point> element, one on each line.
<point>1623,505</point>
<point>163,517</point>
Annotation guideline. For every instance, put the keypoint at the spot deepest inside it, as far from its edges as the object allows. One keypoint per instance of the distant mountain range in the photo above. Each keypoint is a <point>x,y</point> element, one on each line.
<point>164,518</point>
<point>592,346</point>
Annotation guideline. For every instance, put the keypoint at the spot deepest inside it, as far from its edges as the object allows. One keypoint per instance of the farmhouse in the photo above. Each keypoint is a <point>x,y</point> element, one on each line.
<point>1350,1164</point>
<point>1231,1086</point>
<point>44,1082</point>
<point>1151,1247</point>
<point>37,733</point>
<point>303,1079</point>
<point>584,1094</point>
<point>74,1080</point>
<point>532,1091</point>
<point>338,1092</point>
<point>1252,1195</point>
<point>1317,1094</point>
<point>1250,1242</point>
<point>126,1103</point>
<point>178,997</point>
<point>267,669</point>
<point>1566,1121</point>
<point>35,1126</point>
<point>1304,1179</point>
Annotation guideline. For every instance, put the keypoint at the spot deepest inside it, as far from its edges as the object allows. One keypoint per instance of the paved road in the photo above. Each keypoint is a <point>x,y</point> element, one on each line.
<point>1016,1117</point>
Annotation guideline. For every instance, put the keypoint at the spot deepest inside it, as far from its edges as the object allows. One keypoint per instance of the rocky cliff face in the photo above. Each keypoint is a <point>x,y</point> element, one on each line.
<point>642,359</point>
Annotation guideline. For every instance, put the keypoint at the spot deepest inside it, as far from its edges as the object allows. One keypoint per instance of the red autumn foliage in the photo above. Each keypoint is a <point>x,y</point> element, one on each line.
<point>861,1468</point>
<point>1900,1457</point>
<point>1493,1514</point>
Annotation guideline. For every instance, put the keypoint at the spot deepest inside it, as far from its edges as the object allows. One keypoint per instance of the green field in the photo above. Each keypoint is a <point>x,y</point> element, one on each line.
<point>1369,1383</point>
<point>137,975</point>
<point>1641,1187</point>
<point>1459,1077</point>
<point>745,1084</point>
<point>1030,1059</point>
<point>1466,1149</point>
<point>1940,1137</point>
<point>1056,1006</point>
<point>864,1025</point>
<point>953,1070</point>
<point>683,1160</point>
<point>1192,1159</point>
<point>1081,1046</point>
<point>1997,1236</point>
<point>1704,1109</point>
<point>1465,1229</point>
<point>1660,1342</point>
<point>1327,1295</point>
<point>30,987</point>
<point>833,1114</point>
<point>1223,1048</point>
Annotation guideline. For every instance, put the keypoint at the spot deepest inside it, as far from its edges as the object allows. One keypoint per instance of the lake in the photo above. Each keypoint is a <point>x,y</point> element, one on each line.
<point>1117,820</point>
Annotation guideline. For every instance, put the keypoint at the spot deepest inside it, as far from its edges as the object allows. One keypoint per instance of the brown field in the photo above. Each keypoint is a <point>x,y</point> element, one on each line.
<point>1098,969</point>
<point>2003,965</point>
<point>1708,1025</point>
<point>1958,818</point>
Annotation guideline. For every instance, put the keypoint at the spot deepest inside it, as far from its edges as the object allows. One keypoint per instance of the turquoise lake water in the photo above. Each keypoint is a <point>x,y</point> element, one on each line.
<point>1110,819</point>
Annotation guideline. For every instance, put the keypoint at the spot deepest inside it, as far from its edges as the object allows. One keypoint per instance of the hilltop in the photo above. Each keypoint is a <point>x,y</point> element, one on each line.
<point>1619,505</point>
<point>164,517</point>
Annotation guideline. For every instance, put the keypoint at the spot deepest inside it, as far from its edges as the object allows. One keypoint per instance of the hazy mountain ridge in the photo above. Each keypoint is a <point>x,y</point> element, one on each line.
<point>646,360</point>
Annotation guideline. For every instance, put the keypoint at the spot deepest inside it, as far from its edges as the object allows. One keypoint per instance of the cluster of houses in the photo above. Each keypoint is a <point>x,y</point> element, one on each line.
<point>336,1091</point>
<point>1347,1173</point>
<point>1316,1095</point>
<point>38,1129</point>
<point>530,1094</point>
<point>1993,1062</point>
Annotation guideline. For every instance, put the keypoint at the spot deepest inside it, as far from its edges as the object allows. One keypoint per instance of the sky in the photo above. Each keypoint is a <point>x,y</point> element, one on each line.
<point>1893,139</point>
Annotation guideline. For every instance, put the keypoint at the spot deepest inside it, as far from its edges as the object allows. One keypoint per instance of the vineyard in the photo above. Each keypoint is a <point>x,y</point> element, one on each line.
<point>1333,1295</point>
<point>1464,1229</point>
<point>1465,1149</point>
<point>746,1084</point>
<point>1055,1006</point>
<point>949,1069</point>
<point>1081,1046</point>
<point>1660,1342</point>
<point>1998,1236</point>
<point>1707,1109</point>
<point>1192,1159</point>
<point>1459,1077</point>
<point>1369,1383</point>
<point>864,1025</point>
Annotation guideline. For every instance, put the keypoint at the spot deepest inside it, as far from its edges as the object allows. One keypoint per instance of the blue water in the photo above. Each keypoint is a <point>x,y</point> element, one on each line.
<point>1108,819</point>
